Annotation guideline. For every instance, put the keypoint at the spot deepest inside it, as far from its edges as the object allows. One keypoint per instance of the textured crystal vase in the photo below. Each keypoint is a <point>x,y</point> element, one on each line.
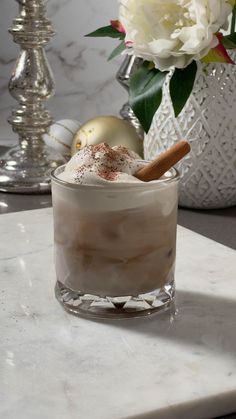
<point>208,122</point>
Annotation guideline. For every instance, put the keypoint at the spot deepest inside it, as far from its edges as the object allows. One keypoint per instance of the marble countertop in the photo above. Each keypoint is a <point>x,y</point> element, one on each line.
<point>179,364</point>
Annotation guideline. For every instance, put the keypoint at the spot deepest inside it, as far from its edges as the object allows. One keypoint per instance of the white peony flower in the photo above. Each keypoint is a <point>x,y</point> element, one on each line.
<point>172,33</point>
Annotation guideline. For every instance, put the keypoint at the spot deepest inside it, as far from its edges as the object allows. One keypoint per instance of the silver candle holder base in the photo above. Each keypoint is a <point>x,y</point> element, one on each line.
<point>22,174</point>
<point>26,168</point>
<point>125,72</point>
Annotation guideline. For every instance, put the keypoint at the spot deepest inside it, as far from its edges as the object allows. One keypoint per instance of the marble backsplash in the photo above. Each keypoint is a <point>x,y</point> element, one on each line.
<point>85,81</point>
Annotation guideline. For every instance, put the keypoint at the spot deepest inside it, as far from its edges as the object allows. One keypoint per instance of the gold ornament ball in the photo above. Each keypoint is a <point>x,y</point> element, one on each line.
<point>107,129</point>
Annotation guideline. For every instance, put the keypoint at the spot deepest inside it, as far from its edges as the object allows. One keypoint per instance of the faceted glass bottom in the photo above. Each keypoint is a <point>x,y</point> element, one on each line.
<point>93,306</point>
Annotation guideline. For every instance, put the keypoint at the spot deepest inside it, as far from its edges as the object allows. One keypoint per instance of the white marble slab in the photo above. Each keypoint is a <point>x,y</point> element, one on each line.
<point>56,366</point>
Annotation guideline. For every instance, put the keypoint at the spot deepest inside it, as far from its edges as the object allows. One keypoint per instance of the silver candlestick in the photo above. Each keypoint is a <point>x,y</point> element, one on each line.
<point>127,68</point>
<point>26,167</point>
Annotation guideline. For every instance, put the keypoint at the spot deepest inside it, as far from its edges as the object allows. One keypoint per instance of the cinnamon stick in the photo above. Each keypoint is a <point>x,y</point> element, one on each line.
<point>158,167</point>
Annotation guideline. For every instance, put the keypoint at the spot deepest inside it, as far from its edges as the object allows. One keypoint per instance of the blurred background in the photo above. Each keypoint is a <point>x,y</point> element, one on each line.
<point>85,81</point>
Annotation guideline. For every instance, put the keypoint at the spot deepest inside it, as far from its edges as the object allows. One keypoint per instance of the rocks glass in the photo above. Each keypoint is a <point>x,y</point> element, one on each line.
<point>115,246</point>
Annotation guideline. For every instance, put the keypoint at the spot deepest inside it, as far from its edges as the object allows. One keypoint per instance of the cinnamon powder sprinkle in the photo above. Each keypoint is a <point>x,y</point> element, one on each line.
<point>114,161</point>
<point>108,174</point>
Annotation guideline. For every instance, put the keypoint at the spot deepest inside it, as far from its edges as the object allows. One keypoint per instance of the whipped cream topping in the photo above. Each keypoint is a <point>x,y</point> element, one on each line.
<point>101,164</point>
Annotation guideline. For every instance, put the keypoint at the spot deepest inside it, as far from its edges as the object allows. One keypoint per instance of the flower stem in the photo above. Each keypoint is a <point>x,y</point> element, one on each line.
<point>233,21</point>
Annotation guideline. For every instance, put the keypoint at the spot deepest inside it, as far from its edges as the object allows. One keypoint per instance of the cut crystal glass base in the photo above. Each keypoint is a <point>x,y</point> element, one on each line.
<point>94,306</point>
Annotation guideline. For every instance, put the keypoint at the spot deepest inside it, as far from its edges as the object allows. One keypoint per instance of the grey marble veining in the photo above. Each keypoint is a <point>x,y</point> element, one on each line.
<point>174,365</point>
<point>85,81</point>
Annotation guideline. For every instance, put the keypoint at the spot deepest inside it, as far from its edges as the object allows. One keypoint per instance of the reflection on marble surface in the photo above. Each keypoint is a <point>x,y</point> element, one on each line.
<point>18,202</point>
<point>171,365</point>
<point>85,82</point>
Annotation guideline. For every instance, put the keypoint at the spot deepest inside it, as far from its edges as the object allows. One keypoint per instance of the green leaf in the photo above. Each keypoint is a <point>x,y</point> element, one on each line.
<point>107,31</point>
<point>117,51</point>
<point>233,20</point>
<point>181,86</point>
<point>229,41</point>
<point>146,93</point>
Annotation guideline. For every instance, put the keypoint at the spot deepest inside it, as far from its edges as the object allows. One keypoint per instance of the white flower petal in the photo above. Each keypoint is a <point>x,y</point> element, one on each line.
<point>172,32</point>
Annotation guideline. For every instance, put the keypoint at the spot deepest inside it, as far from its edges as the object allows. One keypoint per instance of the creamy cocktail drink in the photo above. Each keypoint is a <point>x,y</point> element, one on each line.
<point>115,236</point>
